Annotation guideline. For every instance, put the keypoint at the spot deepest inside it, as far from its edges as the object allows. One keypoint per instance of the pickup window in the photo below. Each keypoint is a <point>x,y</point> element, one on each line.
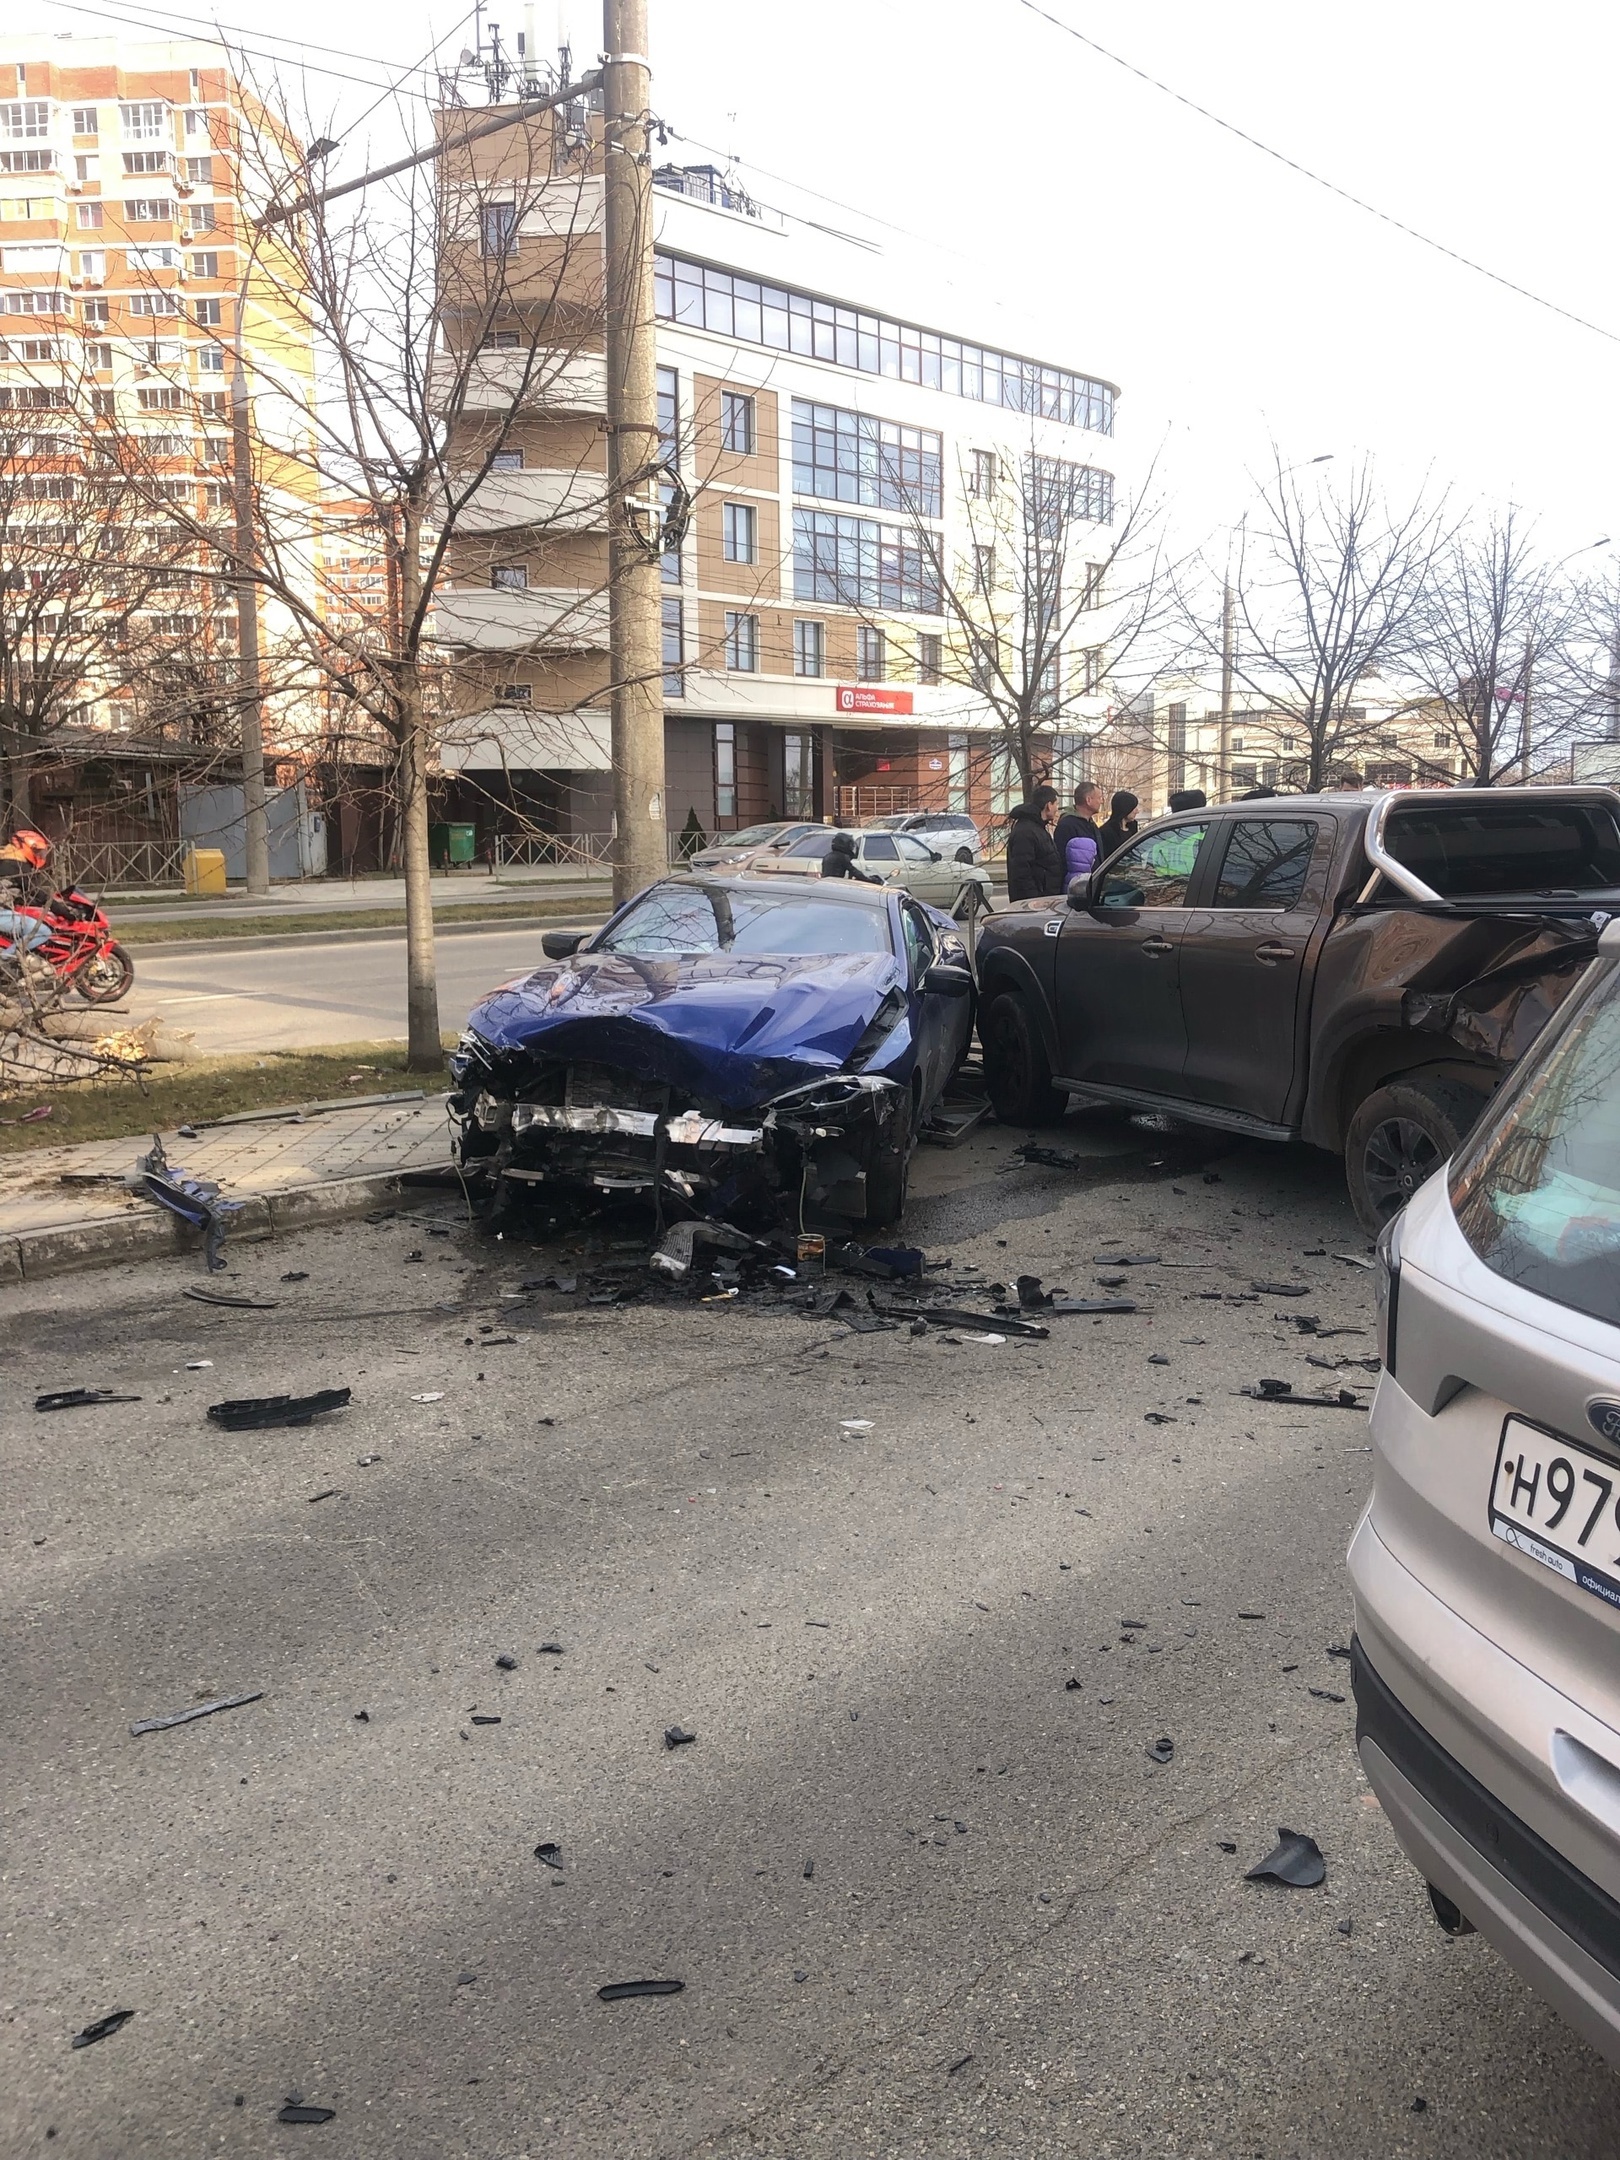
<point>1155,873</point>
<point>1267,863</point>
<point>1483,849</point>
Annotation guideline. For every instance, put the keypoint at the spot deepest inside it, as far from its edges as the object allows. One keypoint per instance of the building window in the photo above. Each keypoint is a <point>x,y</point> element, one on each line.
<point>146,161</point>
<point>856,562</point>
<point>725,770</point>
<point>956,773</point>
<point>669,414</point>
<point>205,313</point>
<point>205,265</point>
<point>96,313</point>
<point>1091,671</point>
<point>809,648</point>
<point>1441,741</point>
<point>798,776</point>
<point>211,360</point>
<point>86,120</point>
<point>515,693</point>
<point>1049,686</point>
<point>737,432</point>
<point>1091,595</point>
<point>674,651</point>
<point>982,484</point>
<point>96,355</point>
<point>200,171</point>
<point>200,216</point>
<point>498,226</point>
<point>735,306</point>
<point>984,568</point>
<point>26,121</point>
<point>739,532</point>
<point>742,643</point>
<point>28,161</point>
<point>871,654</point>
<point>196,124</point>
<point>499,341</point>
<point>104,403</point>
<point>851,457</point>
<point>509,577</point>
<point>928,658</point>
<point>506,461</point>
<point>148,210</point>
<point>1061,493</point>
<point>165,400</point>
<point>145,122</point>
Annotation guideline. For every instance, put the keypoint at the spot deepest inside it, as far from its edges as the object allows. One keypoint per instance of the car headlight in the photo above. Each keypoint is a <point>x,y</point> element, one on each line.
<point>490,1113</point>
<point>1387,1288</point>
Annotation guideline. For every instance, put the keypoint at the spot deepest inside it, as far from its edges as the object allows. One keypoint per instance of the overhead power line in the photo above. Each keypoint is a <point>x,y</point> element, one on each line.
<point>215,34</point>
<point>1319,180</point>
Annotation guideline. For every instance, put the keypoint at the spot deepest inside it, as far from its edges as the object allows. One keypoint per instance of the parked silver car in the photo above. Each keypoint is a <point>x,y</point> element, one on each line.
<point>1486,1569</point>
<point>943,830</point>
<point>898,859</point>
<point>730,851</point>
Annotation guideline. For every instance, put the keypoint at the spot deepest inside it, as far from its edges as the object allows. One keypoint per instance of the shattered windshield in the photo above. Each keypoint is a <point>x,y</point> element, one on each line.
<point>691,918</point>
<point>1538,1193</point>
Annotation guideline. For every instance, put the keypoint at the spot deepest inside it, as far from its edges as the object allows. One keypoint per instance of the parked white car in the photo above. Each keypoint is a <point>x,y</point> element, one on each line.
<point>897,858</point>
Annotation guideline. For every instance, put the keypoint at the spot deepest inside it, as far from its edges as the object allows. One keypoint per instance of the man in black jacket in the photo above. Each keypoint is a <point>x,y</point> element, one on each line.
<point>1080,823</point>
<point>839,860</point>
<point>1034,866</point>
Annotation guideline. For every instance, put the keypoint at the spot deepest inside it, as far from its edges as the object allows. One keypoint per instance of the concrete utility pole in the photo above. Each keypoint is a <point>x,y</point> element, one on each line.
<point>1228,658</point>
<point>255,821</point>
<point>640,851</point>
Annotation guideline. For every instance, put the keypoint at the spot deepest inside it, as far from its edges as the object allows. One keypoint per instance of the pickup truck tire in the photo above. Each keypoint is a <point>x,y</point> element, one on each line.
<point>1399,1135</point>
<point>1017,1073</point>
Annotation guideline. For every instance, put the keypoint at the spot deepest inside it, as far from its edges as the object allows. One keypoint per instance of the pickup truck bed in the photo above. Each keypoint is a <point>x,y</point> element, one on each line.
<point>1357,972</point>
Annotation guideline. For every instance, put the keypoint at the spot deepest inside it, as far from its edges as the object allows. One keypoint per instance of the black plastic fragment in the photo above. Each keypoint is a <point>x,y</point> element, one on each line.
<point>677,1736</point>
<point>1126,1259</point>
<point>1157,1417</point>
<point>1049,1158</point>
<point>102,2028</point>
<point>1296,1861</point>
<point>79,1398</point>
<point>1281,1289</point>
<point>1338,1649</point>
<point>1030,1292</point>
<point>295,2111</point>
<point>549,1852</point>
<point>1094,1305</point>
<point>1162,1750</point>
<point>1070,1686</point>
<point>506,1662</point>
<point>551,1649</point>
<point>204,1296</point>
<point>185,1717</point>
<point>248,1413</point>
<point>623,1990</point>
<point>484,1718</point>
<point>1326,1694</point>
<point>1282,1391</point>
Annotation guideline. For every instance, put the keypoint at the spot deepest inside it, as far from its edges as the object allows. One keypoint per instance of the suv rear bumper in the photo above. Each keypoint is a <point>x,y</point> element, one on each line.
<point>1553,1924</point>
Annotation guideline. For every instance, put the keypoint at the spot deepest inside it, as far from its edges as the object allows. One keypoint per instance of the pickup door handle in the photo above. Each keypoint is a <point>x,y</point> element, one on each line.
<point>1268,953</point>
<point>1157,946</point>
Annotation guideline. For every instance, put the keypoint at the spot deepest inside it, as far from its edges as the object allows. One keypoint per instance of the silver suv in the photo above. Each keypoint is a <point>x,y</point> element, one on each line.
<point>1486,1568</point>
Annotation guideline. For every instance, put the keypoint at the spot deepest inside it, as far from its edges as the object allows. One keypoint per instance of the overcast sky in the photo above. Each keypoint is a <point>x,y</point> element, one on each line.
<point>1231,299</point>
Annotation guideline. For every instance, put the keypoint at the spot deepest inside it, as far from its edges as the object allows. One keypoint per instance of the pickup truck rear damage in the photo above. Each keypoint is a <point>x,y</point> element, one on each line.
<point>1290,969</point>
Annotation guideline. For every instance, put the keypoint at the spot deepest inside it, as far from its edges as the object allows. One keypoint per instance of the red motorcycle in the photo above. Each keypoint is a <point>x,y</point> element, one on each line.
<point>74,938</point>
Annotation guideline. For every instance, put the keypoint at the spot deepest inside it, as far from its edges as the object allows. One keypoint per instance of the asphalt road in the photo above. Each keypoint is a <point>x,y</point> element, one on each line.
<point>927,1898</point>
<point>311,991</point>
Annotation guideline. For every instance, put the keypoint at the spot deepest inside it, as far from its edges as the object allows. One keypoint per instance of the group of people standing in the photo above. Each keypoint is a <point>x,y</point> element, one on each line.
<point>1046,852</point>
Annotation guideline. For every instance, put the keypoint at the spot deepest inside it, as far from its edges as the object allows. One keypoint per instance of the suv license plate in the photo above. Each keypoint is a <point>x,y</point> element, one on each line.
<point>1560,1504</point>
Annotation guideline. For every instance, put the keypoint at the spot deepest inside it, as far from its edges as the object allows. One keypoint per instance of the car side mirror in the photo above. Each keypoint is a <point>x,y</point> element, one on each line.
<point>946,981</point>
<point>1080,893</point>
<point>561,944</point>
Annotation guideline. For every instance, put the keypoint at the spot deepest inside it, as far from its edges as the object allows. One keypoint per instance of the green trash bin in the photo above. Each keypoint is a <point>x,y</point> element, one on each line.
<point>452,845</point>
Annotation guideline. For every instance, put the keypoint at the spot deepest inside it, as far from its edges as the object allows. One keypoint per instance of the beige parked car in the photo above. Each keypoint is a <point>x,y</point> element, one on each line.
<point>901,859</point>
<point>1486,1570</point>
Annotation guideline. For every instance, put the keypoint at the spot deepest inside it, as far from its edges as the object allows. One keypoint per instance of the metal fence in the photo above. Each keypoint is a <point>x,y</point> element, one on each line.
<point>103,863</point>
<point>587,851</point>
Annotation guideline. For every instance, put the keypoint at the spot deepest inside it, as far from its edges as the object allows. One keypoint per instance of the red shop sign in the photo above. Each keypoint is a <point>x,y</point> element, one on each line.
<point>866,698</point>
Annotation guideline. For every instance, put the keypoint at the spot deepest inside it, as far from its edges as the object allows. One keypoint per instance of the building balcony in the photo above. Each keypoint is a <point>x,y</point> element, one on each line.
<point>498,619</point>
<point>548,387</point>
<point>511,738</point>
<point>560,501</point>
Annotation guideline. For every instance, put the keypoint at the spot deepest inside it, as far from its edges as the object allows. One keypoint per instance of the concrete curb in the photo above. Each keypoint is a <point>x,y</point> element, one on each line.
<point>562,920</point>
<point>69,1248</point>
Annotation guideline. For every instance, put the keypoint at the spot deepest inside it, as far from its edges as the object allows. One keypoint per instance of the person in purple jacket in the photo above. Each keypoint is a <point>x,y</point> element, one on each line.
<point>1079,857</point>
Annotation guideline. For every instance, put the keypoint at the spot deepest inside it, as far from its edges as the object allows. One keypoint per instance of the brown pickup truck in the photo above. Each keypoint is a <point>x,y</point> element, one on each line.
<point>1354,971</point>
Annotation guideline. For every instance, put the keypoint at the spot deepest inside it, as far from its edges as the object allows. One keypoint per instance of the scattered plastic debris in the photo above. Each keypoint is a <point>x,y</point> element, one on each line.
<point>1162,1750</point>
<point>551,1649</point>
<point>506,1662</point>
<point>296,1274</point>
<point>1157,1417</point>
<point>677,1736</point>
<point>1281,1289</point>
<point>195,1200</point>
<point>1282,1391</point>
<point>1048,1158</point>
<point>430,1395</point>
<point>1351,1259</point>
<point>549,1853</point>
<point>185,1717</point>
<point>330,1493</point>
<point>1297,1861</point>
<point>624,1990</point>
<point>1097,1305</point>
<point>227,1297</point>
<point>1324,1694</point>
<point>960,2063</point>
<point>1030,1293</point>
<point>102,2028</point>
<point>1126,1259</point>
<point>855,1424</point>
<point>249,1412</point>
<point>296,2111</point>
<point>80,1398</point>
<point>364,1462</point>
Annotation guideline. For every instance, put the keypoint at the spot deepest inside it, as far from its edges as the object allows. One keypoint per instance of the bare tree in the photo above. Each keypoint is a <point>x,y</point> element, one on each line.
<point>1489,645</point>
<point>87,619</point>
<point>449,307</point>
<point>1328,581</point>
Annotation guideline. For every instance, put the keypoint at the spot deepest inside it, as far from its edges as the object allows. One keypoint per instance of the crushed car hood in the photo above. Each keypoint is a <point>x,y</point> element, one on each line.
<point>737,1030</point>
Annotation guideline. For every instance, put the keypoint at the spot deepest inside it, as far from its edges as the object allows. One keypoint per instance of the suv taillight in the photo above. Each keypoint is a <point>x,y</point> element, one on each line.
<point>1388,1283</point>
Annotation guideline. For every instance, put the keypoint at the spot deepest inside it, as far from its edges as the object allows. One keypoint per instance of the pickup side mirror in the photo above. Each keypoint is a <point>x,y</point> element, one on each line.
<point>946,981</point>
<point>1080,892</point>
<point>561,944</point>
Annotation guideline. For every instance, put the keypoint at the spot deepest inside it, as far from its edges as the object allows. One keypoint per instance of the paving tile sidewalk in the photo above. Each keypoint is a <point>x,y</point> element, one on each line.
<point>286,1172</point>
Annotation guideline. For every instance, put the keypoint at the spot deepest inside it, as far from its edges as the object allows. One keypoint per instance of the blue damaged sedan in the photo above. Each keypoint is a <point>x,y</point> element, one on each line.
<point>727,1042</point>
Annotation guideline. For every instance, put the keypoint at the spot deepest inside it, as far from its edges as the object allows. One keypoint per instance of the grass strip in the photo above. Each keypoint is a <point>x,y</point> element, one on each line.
<point>131,931</point>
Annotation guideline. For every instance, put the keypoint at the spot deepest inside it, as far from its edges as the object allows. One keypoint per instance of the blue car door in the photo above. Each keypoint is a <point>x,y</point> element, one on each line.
<point>939,1021</point>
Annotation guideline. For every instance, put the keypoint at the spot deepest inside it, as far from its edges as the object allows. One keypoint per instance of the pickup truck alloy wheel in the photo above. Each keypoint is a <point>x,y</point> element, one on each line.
<point>1017,1074</point>
<point>1398,1138</point>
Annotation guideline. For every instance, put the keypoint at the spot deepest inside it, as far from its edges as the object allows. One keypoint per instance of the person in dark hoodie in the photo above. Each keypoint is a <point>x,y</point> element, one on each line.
<point>1034,867</point>
<point>839,860</point>
<point>1080,823</point>
<point>1121,824</point>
